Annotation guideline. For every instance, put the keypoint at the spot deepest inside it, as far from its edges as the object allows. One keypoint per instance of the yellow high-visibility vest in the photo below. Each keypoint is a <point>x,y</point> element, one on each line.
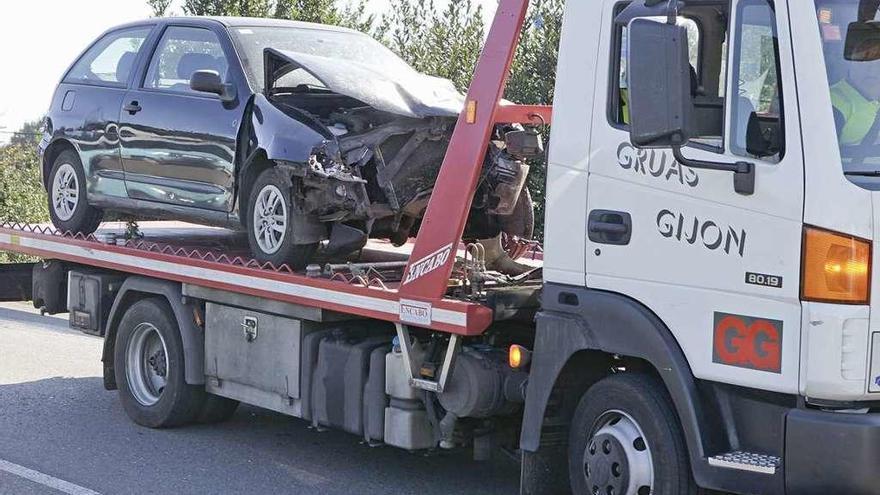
<point>858,112</point>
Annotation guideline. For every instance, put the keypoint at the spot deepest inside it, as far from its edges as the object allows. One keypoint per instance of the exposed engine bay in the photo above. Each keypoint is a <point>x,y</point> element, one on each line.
<point>374,169</point>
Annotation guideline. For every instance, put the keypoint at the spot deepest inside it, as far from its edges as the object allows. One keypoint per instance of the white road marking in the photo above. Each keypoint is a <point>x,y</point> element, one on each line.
<point>44,479</point>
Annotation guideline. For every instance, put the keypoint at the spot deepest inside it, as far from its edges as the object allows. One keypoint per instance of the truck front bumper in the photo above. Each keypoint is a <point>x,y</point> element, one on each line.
<point>832,452</point>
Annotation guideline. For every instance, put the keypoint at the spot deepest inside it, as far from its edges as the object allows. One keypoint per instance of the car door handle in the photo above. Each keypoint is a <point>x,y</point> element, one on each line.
<point>132,108</point>
<point>610,227</point>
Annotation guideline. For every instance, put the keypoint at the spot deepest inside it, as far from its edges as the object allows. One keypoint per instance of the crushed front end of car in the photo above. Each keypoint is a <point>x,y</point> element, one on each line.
<point>364,148</point>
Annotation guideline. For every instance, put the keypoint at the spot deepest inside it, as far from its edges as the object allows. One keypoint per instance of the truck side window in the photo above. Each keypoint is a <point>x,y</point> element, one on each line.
<point>756,114</point>
<point>620,96</point>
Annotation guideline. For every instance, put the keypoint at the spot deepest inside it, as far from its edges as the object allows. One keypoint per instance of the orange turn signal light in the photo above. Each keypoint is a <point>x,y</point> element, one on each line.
<point>518,356</point>
<point>836,268</point>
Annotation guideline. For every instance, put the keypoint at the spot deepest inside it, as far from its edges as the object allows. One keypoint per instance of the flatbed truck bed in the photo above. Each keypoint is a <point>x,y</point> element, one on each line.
<point>215,258</point>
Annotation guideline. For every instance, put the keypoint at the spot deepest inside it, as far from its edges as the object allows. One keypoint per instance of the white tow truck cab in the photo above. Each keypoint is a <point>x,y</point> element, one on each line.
<point>723,157</point>
<point>705,310</point>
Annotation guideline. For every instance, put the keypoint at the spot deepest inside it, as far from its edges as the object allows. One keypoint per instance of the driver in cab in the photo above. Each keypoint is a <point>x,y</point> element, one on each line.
<point>855,97</point>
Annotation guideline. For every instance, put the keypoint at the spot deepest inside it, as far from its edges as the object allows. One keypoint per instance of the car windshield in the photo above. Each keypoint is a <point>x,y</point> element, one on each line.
<point>850,33</point>
<point>341,45</point>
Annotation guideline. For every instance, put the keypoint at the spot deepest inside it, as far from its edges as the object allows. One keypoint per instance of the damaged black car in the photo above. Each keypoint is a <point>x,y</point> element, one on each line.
<point>306,136</point>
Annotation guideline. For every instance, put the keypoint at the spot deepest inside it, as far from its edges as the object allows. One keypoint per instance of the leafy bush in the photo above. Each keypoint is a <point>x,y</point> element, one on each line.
<point>22,198</point>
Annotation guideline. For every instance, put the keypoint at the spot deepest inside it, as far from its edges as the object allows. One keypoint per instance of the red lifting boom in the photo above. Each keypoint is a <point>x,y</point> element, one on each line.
<point>430,265</point>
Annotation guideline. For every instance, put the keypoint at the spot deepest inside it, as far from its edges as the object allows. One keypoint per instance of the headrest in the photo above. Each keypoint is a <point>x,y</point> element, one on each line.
<point>191,62</point>
<point>124,66</point>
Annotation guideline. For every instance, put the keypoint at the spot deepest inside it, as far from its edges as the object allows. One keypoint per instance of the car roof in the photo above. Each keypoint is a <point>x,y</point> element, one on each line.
<point>234,22</point>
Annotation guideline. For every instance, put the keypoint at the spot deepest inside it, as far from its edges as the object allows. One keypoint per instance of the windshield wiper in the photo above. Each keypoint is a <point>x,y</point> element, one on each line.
<point>864,173</point>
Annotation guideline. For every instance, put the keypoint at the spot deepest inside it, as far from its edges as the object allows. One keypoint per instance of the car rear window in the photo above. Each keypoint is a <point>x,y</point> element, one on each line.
<point>111,59</point>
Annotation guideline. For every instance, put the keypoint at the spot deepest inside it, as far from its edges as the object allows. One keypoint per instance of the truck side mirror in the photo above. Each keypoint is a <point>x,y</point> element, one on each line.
<point>862,42</point>
<point>661,104</point>
<point>660,100</point>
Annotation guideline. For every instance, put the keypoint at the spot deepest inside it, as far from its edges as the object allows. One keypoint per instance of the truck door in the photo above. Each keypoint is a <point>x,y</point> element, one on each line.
<point>720,268</point>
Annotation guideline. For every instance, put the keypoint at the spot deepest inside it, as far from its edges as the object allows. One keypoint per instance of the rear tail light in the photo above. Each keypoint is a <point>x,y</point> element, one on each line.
<point>836,268</point>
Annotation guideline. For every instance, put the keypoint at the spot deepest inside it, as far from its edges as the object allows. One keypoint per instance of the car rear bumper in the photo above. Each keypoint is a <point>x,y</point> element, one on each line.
<point>832,452</point>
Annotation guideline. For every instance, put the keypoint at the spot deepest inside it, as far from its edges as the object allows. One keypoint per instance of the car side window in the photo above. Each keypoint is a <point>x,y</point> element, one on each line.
<point>111,59</point>
<point>181,52</point>
<point>756,115</point>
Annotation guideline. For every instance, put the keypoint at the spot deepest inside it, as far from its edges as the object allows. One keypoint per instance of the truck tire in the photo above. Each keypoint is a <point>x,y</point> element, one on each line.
<point>69,208</point>
<point>216,409</point>
<point>149,367</point>
<point>270,229</point>
<point>625,439</point>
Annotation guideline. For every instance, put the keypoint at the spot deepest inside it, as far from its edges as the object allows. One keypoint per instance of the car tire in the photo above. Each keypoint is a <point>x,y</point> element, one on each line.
<point>625,438</point>
<point>216,409</point>
<point>270,229</point>
<point>149,367</point>
<point>68,201</point>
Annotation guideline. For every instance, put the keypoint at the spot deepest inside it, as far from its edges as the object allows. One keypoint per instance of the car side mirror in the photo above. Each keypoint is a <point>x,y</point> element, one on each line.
<point>208,81</point>
<point>661,104</point>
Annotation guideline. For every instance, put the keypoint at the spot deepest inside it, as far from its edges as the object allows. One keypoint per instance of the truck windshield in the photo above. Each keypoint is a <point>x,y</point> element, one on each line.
<point>339,45</point>
<point>850,34</point>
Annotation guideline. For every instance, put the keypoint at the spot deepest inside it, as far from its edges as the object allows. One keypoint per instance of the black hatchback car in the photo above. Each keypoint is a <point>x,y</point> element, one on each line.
<point>298,133</point>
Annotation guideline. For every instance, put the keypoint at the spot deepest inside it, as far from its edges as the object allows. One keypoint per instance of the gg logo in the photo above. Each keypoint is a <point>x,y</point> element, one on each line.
<point>748,342</point>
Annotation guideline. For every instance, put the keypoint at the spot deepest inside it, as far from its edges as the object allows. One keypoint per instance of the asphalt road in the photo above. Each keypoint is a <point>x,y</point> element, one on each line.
<point>61,432</point>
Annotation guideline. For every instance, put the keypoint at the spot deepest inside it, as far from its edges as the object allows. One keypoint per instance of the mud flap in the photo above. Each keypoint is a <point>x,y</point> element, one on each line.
<point>544,472</point>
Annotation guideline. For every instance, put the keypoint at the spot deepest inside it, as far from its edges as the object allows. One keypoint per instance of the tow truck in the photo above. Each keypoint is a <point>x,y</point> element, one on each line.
<point>701,318</point>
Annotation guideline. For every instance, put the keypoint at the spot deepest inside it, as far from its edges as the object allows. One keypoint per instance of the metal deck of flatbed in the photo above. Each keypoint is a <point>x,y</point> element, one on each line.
<point>217,259</point>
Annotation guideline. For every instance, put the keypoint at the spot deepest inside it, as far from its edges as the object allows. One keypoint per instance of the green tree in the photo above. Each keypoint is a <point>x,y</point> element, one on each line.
<point>532,81</point>
<point>320,11</point>
<point>206,7</point>
<point>29,134</point>
<point>159,7</point>
<point>22,198</point>
<point>444,44</point>
<point>352,15</point>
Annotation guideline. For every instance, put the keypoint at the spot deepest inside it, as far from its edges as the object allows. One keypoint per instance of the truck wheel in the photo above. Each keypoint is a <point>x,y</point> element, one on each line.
<point>69,208</point>
<point>270,229</point>
<point>148,363</point>
<point>625,439</point>
<point>216,409</point>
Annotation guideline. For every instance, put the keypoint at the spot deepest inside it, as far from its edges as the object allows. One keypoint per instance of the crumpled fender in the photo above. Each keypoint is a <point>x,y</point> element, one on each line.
<point>291,136</point>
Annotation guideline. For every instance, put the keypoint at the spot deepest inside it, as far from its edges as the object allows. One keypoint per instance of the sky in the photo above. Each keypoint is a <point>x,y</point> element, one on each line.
<point>39,40</point>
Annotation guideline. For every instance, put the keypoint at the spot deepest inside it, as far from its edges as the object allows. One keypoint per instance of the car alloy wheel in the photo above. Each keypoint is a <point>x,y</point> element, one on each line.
<point>65,192</point>
<point>617,460</point>
<point>270,219</point>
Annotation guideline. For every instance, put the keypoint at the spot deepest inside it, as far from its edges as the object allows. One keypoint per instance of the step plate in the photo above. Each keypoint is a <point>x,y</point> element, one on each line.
<point>747,461</point>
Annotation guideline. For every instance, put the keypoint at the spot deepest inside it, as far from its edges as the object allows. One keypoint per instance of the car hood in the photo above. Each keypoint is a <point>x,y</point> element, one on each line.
<point>408,93</point>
